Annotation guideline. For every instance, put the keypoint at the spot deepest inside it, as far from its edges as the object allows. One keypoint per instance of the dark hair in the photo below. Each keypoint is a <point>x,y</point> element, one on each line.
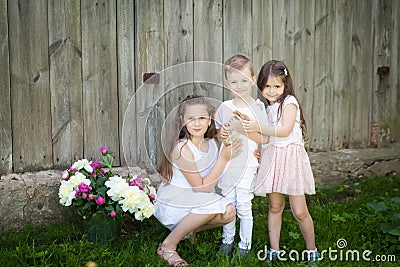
<point>179,132</point>
<point>238,62</point>
<point>278,69</point>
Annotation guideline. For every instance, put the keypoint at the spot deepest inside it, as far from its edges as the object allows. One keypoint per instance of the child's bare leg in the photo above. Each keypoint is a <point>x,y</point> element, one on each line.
<point>276,207</point>
<point>299,208</point>
<point>219,219</point>
<point>197,222</point>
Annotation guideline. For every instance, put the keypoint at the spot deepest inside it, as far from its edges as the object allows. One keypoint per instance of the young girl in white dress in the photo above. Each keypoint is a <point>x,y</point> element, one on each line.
<point>284,164</point>
<point>190,166</point>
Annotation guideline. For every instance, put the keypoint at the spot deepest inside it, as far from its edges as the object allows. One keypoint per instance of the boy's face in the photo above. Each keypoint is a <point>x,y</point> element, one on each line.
<point>240,82</point>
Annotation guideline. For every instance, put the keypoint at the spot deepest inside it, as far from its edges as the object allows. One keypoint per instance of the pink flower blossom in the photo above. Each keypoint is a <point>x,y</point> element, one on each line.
<point>65,175</point>
<point>92,174</point>
<point>96,164</point>
<point>100,201</point>
<point>84,188</point>
<point>103,150</point>
<point>152,197</point>
<point>72,169</point>
<point>77,193</point>
<point>141,186</point>
<point>91,197</point>
<point>113,214</point>
<point>84,195</point>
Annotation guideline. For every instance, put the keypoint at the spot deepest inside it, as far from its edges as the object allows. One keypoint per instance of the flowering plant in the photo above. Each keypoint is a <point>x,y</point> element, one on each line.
<point>91,189</point>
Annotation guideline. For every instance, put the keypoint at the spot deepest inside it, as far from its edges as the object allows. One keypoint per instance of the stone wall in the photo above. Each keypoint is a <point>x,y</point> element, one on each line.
<point>33,197</point>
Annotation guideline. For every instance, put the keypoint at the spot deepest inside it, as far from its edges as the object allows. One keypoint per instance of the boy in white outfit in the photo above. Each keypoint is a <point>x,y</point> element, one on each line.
<point>237,179</point>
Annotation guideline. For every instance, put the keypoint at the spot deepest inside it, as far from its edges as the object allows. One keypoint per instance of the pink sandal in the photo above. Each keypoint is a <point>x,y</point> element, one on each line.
<point>171,257</point>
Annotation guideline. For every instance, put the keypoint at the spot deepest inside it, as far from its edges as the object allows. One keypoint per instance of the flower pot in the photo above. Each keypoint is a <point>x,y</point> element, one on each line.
<point>102,228</point>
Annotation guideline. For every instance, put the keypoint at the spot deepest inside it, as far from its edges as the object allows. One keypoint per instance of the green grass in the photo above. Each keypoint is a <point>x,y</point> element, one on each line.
<point>338,212</point>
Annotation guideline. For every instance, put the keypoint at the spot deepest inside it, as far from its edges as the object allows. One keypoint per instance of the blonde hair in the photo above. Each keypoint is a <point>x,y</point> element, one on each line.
<point>238,62</point>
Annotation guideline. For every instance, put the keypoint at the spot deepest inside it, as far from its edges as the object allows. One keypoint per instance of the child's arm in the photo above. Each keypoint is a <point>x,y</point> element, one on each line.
<point>288,120</point>
<point>238,125</point>
<point>185,161</point>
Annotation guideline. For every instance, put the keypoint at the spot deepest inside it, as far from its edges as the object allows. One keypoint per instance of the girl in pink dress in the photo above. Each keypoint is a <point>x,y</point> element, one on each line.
<point>284,164</point>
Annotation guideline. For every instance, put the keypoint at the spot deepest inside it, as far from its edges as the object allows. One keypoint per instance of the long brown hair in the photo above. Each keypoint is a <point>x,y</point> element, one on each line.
<point>278,69</point>
<point>179,132</point>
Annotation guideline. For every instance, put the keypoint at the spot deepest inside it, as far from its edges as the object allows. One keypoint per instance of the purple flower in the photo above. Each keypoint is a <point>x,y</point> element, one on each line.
<point>113,214</point>
<point>84,188</point>
<point>100,201</point>
<point>77,193</point>
<point>152,197</point>
<point>92,174</point>
<point>72,169</point>
<point>103,150</point>
<point>141,186</point>
<point>96,165</point>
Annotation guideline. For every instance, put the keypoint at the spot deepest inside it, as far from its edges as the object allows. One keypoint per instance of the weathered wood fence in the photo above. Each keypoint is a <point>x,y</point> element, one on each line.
<point>69,69</point>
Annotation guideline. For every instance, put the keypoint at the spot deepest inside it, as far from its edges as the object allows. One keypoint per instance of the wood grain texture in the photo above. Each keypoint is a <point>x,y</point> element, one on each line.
<point>150,58</point>
<point>65,54</point>
<point>5,101</point>
<point>207,46</point>
<point>99,69</point>
<point>30,96</point>
<point>361,75</point>
<point>126,79</point>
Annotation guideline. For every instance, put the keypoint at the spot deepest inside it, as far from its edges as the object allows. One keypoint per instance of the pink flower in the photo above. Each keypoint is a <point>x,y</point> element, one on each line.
<point>91,197</point>
<point>113,214</point>
<point>84,195</point>
<point>65,175</point>
<point>92,174</point>
<point>84,188</point>
<point>141,186</point>
<point>152,197</point>
<point>103,150</point>
<point>96,165</point>
<point>77,193</point>
<point>72,169</point>
<point>100,201</point>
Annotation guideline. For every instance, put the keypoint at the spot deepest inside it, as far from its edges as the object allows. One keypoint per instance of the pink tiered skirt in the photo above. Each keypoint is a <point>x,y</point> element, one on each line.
<point>285,170</point>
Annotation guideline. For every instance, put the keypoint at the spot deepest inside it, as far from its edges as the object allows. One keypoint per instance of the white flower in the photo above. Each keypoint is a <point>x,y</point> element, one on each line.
<point>134,199</point>
<point>77,179</point>
<point>118,187</point>
<point>66,193</point>
<point>148,210</point>
<point>146,181</point>
<point>83,164</point>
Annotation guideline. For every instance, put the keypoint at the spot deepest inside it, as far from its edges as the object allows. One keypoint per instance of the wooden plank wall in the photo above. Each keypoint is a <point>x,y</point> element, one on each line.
<point>71,76</point>
<point>5,100</point>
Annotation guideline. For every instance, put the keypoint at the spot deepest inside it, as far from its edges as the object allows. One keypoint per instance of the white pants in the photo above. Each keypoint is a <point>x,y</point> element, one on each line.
<point>241,199</point>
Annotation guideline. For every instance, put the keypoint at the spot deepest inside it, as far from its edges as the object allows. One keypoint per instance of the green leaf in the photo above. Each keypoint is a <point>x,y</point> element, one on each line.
<point>386,227</point>
<point>101,180</point>
<point>108,161</point>
<point>87,205</point>
<point>395,231</point>
<point>118,209</point>
<point>396,200</point>
<point>396,215</point>
<point>109,208</point>
<point>102,191</point>
<point>378,206</point>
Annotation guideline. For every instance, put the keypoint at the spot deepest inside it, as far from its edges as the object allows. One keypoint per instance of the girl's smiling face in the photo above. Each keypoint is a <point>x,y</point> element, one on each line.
<point>196,120</point>
<point>273,89</point>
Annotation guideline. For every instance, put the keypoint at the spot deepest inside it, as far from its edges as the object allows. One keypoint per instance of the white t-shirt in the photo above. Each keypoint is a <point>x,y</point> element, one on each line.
<point>256,111</point>
<point>296,136</point>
